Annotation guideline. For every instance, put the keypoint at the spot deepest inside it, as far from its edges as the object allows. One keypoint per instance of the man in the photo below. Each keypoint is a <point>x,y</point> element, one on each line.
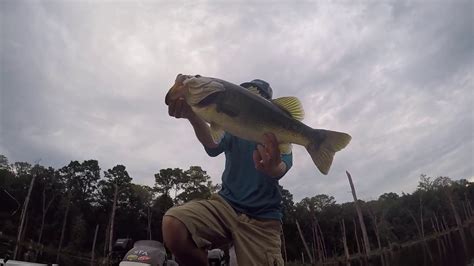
<point>247,210</point>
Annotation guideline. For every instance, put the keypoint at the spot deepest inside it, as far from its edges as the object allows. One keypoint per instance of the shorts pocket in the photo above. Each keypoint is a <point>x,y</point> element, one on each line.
<point>274,259</point>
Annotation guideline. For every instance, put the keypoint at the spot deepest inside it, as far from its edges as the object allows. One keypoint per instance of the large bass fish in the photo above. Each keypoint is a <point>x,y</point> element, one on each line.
<point>243,113</point>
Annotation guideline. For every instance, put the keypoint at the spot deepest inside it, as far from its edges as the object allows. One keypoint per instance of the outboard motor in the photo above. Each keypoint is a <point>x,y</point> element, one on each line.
<point>145,252</point>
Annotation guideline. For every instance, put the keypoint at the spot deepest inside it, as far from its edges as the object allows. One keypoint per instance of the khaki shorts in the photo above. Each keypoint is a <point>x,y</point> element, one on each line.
<point>214,223</point>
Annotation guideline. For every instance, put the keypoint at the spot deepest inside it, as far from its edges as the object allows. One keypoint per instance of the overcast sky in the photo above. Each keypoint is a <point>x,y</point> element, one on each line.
<point>86,80</point>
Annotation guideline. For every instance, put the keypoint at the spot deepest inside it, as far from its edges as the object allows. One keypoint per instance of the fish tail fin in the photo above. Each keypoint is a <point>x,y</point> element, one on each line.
<point>324,145</point>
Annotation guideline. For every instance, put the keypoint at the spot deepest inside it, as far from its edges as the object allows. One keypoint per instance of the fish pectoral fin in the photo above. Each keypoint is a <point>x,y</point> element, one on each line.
<point>285,148</point>
<point>292,105</point>
<point>217,133</point>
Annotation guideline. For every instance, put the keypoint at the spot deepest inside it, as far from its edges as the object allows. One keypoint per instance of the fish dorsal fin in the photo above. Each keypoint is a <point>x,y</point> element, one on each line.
<point>292,105</point>
<point>254,90</point>
<point>217,133</point>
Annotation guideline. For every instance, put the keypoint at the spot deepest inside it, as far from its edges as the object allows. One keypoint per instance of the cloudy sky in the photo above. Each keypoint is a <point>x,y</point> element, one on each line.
<point>87,79</point>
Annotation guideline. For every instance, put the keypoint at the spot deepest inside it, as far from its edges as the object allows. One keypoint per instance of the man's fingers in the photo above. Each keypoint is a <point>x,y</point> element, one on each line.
<point>269,139</point>
<point>263,154</point>
<point>271,144</point>
<point>274,151</point>
<point>186,110</point>
<point>171,108</point>
<point>257,159</point>
<point>179,108</point>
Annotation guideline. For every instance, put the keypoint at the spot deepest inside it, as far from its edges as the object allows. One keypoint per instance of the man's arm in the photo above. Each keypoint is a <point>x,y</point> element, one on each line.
<point>203,132</point>
<point>180,109</point>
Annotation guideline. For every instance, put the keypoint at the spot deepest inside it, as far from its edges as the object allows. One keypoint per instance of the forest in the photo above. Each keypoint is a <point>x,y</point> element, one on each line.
<point>73,215</point>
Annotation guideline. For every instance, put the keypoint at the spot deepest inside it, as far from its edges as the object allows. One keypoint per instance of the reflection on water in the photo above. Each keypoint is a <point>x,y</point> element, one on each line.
<point>445,250</point>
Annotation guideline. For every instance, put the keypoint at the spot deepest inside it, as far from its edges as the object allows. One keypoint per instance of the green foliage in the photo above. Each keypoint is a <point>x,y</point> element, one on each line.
<point>21,168</point>
<point>168,179</point>
<point>91,196</point>
<point>195,184</point>
<point>316,203</point>
<point>78,232</point>
<point>117,176</point>
<point>161,204</point>
<point>389,197</point>
<point>288,206</point>
<point>4,163</point>
<point>191,184</point>
<point>80,181</point>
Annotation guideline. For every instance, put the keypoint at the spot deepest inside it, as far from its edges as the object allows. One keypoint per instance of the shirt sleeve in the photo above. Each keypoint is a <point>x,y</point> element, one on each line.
<point>288,160</point>
<point>222,146</point>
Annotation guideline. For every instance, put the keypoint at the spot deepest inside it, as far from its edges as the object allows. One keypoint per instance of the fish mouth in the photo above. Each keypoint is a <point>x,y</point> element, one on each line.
<point>194,89</point>
<point>177,90</point>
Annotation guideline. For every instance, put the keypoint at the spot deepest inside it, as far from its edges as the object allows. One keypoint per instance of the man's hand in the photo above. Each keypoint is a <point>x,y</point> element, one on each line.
<point>267,157</point>
<point>180,109</point>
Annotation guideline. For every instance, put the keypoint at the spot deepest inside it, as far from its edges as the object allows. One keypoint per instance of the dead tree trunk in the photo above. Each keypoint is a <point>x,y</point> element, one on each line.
<point>106,240</point>
<point>376,230</point>
<point>466,213</point>
<point>356,236</point>
<point>422,237</point>
<point>45,208</point>
<point>93,246</point>
<point>444,241</point>
<point>13,198</point>
<point>112,218</point>
<point>448,231</point>
<point>468,207</point>
<point>471,212</point>
<point>314,245</point>
<point>344,242</point>
<point>25,227</point>
<point>304,242</point>
<point>377,235</point>
<point>63,230</point>
<point>318,247</point>
<point>439,242</point>
<point>359,214</point>
<point>323,243</point>
<point>421,220</point>
<point>460,228</point>
<point>22,218</point>
<point>441,230</point>
<point>318,240</point>
<point>150,213</point>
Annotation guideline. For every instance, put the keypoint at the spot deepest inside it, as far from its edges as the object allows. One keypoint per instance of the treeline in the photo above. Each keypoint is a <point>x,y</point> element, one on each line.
<point>66,205</point>
<point>54,215</point>
<point>437,208</point>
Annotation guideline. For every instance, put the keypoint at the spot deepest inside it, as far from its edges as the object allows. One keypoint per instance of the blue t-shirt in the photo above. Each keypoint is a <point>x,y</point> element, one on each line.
<point>245,188</point>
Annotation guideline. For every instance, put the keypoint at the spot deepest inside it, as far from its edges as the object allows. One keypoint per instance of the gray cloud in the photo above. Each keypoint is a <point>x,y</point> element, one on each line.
<point>82,80</point>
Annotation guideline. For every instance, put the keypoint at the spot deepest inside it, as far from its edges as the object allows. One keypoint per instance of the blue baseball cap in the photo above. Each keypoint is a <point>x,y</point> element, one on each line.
<point>262,86</point>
